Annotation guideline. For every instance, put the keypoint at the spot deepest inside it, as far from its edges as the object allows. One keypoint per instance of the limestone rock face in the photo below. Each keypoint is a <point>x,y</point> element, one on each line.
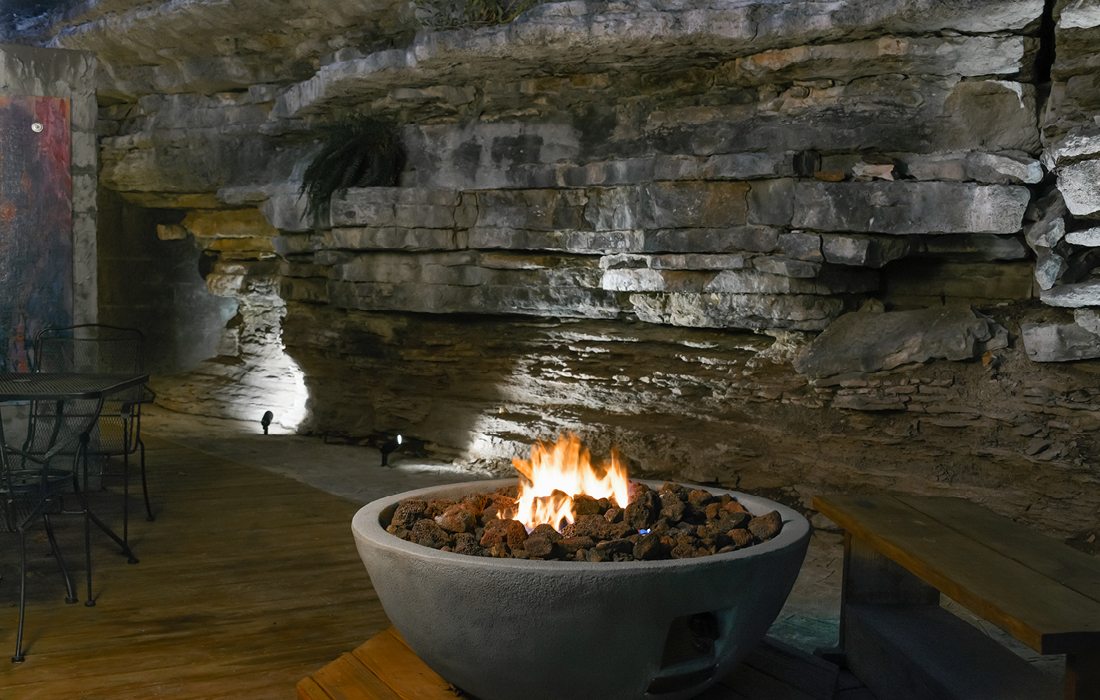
<point>713,405</point>
<point>1063,342</point>
<point>898,208</point>
<point>608,208</point>
<point>1071,140</point>
<point>871,342</point>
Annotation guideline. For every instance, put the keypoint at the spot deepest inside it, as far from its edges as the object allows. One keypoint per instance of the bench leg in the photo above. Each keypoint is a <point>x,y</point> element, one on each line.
<point>1083,676</point>
<point>869,577</point>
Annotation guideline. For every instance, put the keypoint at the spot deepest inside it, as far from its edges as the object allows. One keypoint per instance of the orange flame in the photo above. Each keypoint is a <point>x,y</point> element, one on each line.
<point>556,473</point>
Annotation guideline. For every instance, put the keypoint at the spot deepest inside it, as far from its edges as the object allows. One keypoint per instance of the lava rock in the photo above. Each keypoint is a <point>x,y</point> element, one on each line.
<point>457,518</point>
<point>541,547</point>
<point>648,547</point>
<point>643,511</point>
<point>572,545</point>
<point>643,531</point>
<point>673,506</point>
<point>408,512</point>
<point>619,546</point>
<point>585,505</point>
<point>429,534</point>
<point>508,533</point>
<point>466,543</point>
<point>740,538</point>
<point>765,527</point>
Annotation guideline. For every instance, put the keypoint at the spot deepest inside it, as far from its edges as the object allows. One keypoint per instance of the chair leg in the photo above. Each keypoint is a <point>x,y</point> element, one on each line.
<point>144,483</point>
<point>70,590</point>
<point>83,494</point>
<point>126,497</point>
<point>18,657</point>
<point>90,602</point>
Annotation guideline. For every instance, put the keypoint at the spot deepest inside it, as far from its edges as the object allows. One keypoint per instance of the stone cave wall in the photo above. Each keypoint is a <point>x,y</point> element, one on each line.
<point>788,247</point>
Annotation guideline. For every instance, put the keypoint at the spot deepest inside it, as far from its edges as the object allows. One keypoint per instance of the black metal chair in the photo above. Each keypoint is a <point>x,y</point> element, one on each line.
<point>105,349</point>
<point>30,488</point>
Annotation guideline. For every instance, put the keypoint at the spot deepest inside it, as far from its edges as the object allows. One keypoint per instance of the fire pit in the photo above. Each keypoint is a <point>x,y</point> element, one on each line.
<point>503,628</point>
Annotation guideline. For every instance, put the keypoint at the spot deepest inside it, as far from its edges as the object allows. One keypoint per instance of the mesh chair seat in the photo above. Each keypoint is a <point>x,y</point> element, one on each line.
<point>25,493</point>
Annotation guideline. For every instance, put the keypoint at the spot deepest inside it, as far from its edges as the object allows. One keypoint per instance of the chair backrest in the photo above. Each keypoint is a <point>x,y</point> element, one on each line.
<point>89,347</point>
<point>92,347</point>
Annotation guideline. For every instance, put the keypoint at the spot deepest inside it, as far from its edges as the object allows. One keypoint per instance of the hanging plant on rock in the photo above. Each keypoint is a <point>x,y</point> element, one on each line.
<point>363,153</point>
<point>448,14</point>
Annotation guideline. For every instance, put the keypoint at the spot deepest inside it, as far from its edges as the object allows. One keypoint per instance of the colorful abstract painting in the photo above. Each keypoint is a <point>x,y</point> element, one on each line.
<point>36,246</point>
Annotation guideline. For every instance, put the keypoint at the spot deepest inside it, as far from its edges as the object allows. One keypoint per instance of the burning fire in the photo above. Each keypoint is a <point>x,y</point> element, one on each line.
<point>556,473</point>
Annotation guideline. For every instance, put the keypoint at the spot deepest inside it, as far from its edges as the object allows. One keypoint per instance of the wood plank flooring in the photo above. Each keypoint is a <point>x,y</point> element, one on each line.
<point>248,581</point>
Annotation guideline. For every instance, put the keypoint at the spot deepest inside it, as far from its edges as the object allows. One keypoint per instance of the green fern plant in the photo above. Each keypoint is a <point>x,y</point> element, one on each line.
<point>364,153</point>
<point>452,14</point>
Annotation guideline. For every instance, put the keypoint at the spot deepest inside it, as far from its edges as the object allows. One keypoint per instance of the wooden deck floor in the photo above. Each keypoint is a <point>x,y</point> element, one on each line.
<point>248,582</point>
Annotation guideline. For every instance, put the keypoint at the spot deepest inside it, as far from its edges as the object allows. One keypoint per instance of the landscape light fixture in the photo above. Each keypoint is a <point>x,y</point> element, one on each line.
<point>391,445</point>
<point>266,420</point>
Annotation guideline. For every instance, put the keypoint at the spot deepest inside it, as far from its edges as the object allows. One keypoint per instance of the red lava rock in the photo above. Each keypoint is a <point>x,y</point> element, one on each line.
<point>546,531</point>
<point>678,523</point>
<point>586,526</point>
<point>767,526</point>
<point>408,512</point>
<point>496,532</point>
<point>571,545</point>
<point>540,546</point>
<point>699,498</point>
<point>598,555</point>
<point>475,502</point>
<point>466,543</point>
<point>682,551</point>
<point>516,534</point>
<point>437,506</point>
<point>616,530</point>
<point>457,518</point>
<point>620,546</point>
<point>678,490</point>
<point>585,505</point>
<point>672,506</point>
<point>643,511</point>
<point>732,521</point>
<point>732,506</point>
<point>398,531</point>
<point>740,538</point>
<point>429,534</point>
<point>509,534</point>
<point>648,547</point>
<point>498,507</point>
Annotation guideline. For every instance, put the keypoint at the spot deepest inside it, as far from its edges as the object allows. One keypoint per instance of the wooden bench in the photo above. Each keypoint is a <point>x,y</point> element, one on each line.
<point>901,552</point>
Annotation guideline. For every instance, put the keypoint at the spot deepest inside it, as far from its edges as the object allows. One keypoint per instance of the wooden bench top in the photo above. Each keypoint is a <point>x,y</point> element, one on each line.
<point>1043,592</point>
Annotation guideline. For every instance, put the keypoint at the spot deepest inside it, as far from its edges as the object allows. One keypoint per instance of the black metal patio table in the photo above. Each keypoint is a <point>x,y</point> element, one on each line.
<point>69,433</point>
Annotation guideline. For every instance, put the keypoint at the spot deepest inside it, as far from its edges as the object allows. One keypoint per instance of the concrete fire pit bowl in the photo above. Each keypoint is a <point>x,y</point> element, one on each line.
<point>503,629</point>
